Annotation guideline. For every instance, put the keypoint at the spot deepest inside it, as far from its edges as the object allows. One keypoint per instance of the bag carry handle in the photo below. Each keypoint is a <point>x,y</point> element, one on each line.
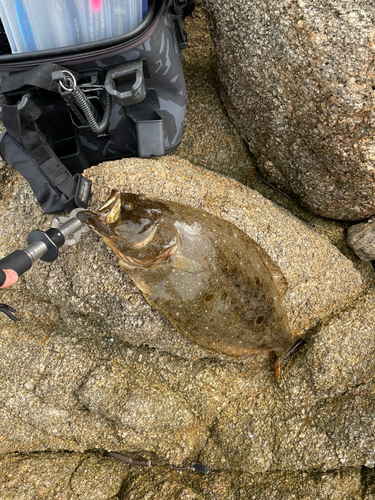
<point>128,75</point>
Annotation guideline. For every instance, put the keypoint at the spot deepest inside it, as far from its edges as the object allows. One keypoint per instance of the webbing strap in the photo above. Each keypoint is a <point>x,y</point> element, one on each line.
<point>35,144</point>
<point>20,121</point>
<point>39,77</point>
<point>11,121</point>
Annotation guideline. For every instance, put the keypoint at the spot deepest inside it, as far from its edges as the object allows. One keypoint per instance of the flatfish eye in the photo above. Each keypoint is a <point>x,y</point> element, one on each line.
<point>128,206</point>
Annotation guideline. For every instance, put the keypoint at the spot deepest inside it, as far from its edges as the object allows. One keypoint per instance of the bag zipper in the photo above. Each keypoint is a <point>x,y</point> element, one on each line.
<point>89,55</point>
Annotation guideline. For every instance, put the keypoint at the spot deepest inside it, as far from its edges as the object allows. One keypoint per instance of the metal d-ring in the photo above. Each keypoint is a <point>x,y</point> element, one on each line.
<point>73,81</point>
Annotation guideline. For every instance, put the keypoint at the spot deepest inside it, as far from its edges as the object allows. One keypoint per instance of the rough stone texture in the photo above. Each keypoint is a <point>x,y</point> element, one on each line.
<point>361,238</point>
<point>62,476</point>
<point>92,367</point>
<point>73,476</point>
<point>322,417</point>
<point>210,139</point>
<point>297,80</point>
<point>333,485</point>
<point>315,276</point>
<point>368,484</point>
<point>238,486</point>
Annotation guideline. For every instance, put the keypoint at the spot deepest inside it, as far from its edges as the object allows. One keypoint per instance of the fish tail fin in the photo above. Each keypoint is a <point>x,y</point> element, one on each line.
<point>277,369</point>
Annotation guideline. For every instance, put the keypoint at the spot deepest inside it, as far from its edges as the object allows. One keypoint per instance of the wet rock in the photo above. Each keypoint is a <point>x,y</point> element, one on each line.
<point>297,79</point>
<point>361,238</point>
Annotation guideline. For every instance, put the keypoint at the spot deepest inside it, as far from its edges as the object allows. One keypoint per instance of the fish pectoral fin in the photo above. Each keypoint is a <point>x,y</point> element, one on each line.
<point>144,288</point>
<point>185,264</point>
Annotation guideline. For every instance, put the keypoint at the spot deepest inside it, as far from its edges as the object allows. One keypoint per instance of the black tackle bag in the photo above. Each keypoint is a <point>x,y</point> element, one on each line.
<point>67,108</point>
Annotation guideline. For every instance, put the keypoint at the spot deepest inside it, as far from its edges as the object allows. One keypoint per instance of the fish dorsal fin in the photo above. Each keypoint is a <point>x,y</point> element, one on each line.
<point>277,276</point>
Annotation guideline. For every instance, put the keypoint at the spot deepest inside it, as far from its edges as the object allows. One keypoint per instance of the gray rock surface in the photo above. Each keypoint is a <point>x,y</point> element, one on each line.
<point>297,79</point>
<point>210,140</point>
<point>92,367</point>
<point>321,418</point>
<point>361,238</point>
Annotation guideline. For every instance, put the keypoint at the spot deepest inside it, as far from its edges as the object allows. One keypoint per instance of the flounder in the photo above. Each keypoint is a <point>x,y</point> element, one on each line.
<point>215,284</point>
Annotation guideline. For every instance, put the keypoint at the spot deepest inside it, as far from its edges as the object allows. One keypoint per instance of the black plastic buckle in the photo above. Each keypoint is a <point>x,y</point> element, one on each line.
<point>83,191</point>
<point>178,9</point>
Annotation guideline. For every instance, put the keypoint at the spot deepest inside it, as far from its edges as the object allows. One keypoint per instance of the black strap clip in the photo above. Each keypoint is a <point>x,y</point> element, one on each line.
<point>8,311</point>
<point>176,16</point>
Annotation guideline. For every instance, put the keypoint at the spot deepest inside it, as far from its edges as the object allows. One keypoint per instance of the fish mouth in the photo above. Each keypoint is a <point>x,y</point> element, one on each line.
<point>114,205</point>
<point>146,241</point>
<point>94,222</point>
<point>130,262</point>
<point>128,224</point>
<point>136,241</point>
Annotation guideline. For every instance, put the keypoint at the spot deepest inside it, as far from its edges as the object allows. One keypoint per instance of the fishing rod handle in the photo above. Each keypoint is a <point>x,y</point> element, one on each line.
<point>43,245</point>
<point>18,261</point>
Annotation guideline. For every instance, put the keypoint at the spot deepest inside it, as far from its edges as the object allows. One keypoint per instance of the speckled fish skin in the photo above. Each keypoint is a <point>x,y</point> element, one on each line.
<point>212,281</point>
